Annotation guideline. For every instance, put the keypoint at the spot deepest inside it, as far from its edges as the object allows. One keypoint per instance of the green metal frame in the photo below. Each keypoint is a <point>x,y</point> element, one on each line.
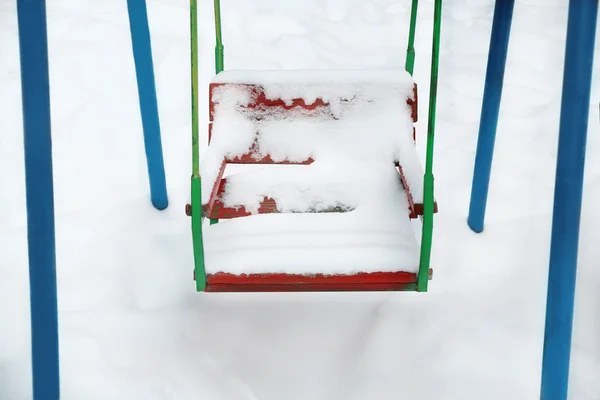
<point>196,192</point>
<point>410,50</point>
<point>428,186</point>
<point>428,198</point>
<point>219,48</point>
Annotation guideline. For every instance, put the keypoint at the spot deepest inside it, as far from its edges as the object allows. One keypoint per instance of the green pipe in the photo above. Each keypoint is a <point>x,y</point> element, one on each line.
<point>196,185</point>
<point>194,79</point>
<point>197,237</point>
<point>219,49</point>
<point>410,50</point>
<point>428,200</point>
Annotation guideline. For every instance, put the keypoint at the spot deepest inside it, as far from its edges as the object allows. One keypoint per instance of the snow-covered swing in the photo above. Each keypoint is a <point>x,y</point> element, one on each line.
<point>327,177</point>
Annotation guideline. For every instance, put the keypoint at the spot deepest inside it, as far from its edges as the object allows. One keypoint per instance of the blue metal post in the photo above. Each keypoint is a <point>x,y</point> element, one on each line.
<point>142,54</point>
<point>574,117</point>
<point>492,94</point>
<point>35,87</point>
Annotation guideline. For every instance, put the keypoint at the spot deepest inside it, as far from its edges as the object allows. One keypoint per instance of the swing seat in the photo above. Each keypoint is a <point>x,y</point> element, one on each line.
<point>294,100</point>
<point>347,187</point>
<point>261,88</point>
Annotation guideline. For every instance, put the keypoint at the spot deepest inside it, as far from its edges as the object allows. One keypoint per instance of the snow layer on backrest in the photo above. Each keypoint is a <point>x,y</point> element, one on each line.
<point>387,76</point>
<point>309,85</point>
<point>366,126</point>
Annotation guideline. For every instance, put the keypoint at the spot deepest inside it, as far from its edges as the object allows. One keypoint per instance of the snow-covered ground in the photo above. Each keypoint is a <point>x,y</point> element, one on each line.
<point>132,325</point>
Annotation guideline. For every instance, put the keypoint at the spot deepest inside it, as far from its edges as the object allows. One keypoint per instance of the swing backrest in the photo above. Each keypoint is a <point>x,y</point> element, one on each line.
<point>261,103</point>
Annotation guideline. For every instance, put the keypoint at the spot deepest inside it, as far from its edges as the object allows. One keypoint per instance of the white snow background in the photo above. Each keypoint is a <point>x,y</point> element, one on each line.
<point>132,325</point>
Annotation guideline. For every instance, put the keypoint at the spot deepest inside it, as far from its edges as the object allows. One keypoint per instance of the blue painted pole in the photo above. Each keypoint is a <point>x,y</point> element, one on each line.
<point>144,69</point>
<point>35,88</point>
<point>492,94</point>
<point>574,118</point>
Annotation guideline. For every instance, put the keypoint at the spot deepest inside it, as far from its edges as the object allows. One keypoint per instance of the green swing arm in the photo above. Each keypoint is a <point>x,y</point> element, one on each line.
<point>428,199</point>
<point>410,50</point>
<point>196,191</point>
<point>196,181</point>
<point>219,49</point>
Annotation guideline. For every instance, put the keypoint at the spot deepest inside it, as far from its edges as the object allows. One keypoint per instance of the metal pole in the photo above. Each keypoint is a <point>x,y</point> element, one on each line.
<point>35,87</point>
<point>492,95</point>
<point>142,54</point>
<point>410,49</point>
<point>574,116</point>
<point>219,48</point>
<point>196,181</point>
<point>428,190</point>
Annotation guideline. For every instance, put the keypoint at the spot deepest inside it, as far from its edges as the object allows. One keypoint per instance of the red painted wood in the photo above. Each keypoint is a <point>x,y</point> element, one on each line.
<point>207,208</point>
<point>326,287</point>
<point>259,100</point>
<point>280,278</point>
<point>414,209</point>
<point>419,208</point>
<point>216,209</point>
<point>250,158</point>
<point>376,281</point>
<point>411,204</point>
<point>413,104</point>
<point>221,282</point>
<point>219,211</point>
<point>263,101</point>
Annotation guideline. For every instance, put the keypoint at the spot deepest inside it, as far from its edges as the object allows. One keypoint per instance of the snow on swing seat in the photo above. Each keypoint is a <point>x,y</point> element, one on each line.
<point>344,209</point>
<point>309,248</point>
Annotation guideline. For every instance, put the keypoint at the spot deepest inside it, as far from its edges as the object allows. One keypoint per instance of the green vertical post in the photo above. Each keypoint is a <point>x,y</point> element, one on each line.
<point>194,90</point>
<point>428,201</point>
<point>219,49</point>
<point>410,50</point>
<point>196,189</point>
